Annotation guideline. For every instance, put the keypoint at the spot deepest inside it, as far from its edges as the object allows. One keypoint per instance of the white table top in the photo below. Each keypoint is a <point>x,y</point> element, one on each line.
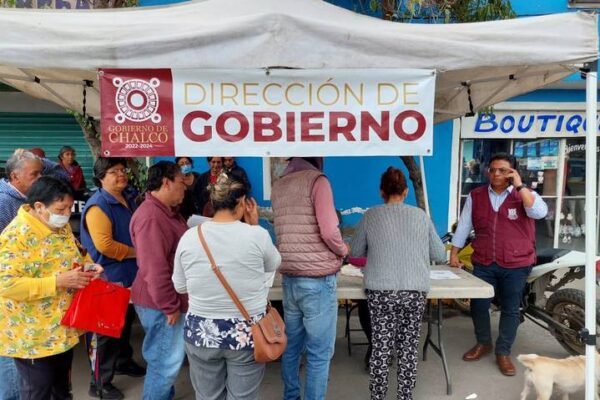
<point>468,286</point>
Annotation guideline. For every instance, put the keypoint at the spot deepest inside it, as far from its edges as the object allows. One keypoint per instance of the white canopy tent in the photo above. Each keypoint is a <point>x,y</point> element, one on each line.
<point>478,64</point>
<point>51,54</point>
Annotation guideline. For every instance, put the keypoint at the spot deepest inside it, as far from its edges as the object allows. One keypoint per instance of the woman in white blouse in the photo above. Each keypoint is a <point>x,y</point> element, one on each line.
<point>217,338</point>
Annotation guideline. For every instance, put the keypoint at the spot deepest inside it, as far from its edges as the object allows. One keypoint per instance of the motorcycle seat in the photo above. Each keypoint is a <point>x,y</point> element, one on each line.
<point>545,256</point>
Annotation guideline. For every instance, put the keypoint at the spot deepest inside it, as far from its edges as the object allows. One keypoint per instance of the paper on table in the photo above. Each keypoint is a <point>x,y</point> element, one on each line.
<point>439,275</point>
<point>350,270</point>
<point>196,220</point>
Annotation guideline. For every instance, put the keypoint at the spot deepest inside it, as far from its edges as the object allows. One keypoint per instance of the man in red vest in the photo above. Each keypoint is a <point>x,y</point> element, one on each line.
<point>502,215</point>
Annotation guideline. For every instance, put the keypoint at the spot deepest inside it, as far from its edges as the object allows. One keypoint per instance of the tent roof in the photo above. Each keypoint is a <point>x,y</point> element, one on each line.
<point>48,53</point>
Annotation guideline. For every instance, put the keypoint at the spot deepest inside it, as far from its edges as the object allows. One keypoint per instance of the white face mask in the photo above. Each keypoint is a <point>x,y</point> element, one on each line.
<point>56,220</point>
<point>186,169</point>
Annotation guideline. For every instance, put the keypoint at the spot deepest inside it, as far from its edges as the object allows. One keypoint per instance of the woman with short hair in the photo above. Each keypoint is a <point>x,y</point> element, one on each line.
<point>105,234</point>
<point>399,242</point>
<point>66,159</point>
<point>40,265</point>
<point>218,340</point>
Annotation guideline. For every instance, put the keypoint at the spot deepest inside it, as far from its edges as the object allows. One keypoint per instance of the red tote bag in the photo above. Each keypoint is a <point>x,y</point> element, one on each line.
<point>100,307</point>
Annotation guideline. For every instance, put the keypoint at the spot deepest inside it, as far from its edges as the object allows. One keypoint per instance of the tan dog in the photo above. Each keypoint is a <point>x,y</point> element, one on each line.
<point>543,372</point>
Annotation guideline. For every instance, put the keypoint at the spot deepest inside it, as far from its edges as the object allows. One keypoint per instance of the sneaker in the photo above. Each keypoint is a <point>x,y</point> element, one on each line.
<point>109,392</point>
<point>130,368</point>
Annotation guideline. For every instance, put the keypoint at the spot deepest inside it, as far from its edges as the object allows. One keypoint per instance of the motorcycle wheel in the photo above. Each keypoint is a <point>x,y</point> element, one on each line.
<point>567,306</point>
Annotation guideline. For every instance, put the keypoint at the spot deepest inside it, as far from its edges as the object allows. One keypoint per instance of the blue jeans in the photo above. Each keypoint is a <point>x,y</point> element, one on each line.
<point>508,285</point>
<point>9,379</point>
<point>163,350</point>
<point>310,309</point>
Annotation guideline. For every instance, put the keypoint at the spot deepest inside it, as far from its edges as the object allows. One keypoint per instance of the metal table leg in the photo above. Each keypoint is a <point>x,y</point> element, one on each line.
<point>438,347</point>
<point>348,311</point>
<point>428,337</point>
<point>441,348</point>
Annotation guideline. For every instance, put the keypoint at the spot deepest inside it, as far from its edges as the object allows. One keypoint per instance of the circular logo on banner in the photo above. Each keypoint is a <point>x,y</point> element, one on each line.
<point>136,100</point>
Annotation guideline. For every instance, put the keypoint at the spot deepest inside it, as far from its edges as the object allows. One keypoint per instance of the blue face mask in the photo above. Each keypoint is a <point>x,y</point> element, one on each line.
<point>186,169</point>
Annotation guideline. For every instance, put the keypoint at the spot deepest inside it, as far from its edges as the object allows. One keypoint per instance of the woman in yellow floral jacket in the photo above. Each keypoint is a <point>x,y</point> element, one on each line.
<point>38,253</point>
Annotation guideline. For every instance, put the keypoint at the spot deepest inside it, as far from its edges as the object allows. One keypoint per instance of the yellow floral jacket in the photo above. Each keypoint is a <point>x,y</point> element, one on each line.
<point>31,306</point>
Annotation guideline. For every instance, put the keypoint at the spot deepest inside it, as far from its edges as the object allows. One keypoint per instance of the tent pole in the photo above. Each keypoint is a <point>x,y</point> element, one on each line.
<point>591,87</point>
<point>424,180</point>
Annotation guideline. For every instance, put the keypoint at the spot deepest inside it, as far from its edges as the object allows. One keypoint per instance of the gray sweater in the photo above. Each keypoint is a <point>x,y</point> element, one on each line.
<point>400,242</point>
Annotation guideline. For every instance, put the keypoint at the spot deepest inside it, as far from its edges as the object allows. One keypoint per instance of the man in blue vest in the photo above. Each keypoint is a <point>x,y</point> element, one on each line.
<point>503,216</point>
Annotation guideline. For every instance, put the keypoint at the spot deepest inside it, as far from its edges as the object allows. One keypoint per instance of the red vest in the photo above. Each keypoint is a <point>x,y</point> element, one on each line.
<point>506,237</point>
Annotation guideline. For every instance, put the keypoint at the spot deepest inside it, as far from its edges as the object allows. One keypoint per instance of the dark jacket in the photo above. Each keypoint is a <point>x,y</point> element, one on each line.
<point>239,173</point>
<point>200,191</point>
<point>190,202</point>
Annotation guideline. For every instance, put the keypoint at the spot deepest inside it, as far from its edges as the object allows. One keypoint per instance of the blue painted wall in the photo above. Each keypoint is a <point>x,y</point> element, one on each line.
<point>355,180</point>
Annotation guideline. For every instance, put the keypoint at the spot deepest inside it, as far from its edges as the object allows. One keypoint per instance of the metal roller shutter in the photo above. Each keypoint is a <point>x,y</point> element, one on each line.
<point>48,131</point>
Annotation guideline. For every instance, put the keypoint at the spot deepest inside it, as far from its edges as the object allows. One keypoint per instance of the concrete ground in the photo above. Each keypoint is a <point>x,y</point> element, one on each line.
<point>349,381</point>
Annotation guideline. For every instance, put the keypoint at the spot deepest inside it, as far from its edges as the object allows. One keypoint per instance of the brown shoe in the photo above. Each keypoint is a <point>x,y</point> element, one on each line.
<point>477,351</point>
<point>505,364</point>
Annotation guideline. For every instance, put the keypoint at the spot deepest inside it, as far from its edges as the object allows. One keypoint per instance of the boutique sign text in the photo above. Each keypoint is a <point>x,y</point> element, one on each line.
<point>525,124</point>
<point>278,112</point>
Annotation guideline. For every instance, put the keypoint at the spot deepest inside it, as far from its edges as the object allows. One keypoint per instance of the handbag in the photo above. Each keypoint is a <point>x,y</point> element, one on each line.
<point>99,307</point>
<point>268,333</point>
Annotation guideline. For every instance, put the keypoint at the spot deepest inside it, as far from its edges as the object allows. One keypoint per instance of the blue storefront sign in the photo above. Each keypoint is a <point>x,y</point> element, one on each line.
<point>526,124</point>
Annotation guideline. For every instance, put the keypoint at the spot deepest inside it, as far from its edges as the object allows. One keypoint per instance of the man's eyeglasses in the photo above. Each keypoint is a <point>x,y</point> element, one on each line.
<point>118,171</point>
<point>502,171</point>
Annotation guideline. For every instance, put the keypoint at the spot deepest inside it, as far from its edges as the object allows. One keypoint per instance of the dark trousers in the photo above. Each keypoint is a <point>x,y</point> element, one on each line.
<point>110,352</point>
<point>508,286</point>
<point>365,323</point>
<point>45,378</point>
<point>278,305</point>
<point>364,318</point>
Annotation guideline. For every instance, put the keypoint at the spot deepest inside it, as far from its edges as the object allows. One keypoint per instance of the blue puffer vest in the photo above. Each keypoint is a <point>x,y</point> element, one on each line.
<point>122,272</point>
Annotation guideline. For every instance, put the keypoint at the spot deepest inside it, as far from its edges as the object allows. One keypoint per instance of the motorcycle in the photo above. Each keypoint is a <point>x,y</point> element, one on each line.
<point>546,301</point>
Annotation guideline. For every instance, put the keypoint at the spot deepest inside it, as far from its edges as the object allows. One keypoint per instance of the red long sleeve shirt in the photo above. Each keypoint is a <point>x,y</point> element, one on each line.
<point>155,230</point>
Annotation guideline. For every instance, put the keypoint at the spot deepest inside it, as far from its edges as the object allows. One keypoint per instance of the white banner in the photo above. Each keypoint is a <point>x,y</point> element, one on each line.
<point>282,112</point>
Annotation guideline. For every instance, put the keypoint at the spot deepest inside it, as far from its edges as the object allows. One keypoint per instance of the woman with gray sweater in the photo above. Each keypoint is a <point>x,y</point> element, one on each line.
<point>218,340</point>
<point>400,242</point>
